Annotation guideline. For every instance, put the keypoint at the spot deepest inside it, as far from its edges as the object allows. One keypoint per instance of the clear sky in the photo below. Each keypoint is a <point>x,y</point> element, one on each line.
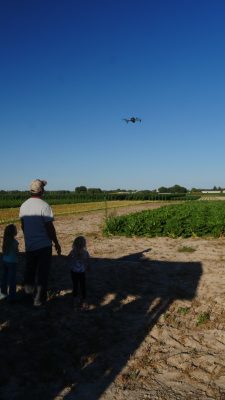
<point>71,70</point>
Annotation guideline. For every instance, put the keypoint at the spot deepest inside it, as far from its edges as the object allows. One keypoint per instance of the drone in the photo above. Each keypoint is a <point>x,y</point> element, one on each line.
<point>132,119</point>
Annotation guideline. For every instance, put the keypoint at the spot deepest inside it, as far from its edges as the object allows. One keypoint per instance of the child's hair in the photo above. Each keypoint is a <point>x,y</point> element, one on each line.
<point>79,244</point>
<point>9,234</point>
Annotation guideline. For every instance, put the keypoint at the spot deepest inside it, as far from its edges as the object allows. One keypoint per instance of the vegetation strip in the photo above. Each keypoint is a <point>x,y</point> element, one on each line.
<point>11,214</point>
<point>200,219</point>
<point>15,198</point>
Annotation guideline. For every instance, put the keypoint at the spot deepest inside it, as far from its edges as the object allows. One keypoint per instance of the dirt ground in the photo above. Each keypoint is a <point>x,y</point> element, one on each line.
<point>154,329</point>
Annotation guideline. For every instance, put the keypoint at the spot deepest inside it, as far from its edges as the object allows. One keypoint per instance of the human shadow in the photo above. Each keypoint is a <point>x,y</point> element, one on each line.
<point>57,351</point>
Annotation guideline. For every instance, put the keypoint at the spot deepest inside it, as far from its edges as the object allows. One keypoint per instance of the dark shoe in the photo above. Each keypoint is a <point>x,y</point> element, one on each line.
<point>37,303</point>
<point>29,289</point>
<point>24,298</point>
<point>3,296</point>
<point>12,301</point>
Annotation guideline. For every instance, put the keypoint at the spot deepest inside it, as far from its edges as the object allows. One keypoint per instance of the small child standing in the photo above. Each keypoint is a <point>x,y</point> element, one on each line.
<point>10,253</point>
<point>79,262</point>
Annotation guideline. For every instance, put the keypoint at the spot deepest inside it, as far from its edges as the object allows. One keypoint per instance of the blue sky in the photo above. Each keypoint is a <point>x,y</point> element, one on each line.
<point>71,70</point>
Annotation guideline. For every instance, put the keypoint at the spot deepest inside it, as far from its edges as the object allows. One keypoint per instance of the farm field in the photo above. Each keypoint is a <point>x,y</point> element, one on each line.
<point>8,215</point>
<point>189,219</point>
<point>155,327</point>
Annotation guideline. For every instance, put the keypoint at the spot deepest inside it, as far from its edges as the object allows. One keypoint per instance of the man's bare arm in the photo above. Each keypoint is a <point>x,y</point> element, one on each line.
<point>22,224</point>
<point>52,235</point>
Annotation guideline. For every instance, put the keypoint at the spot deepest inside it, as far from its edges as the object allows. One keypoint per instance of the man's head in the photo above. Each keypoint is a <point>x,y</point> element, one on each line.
<point>37,187</point>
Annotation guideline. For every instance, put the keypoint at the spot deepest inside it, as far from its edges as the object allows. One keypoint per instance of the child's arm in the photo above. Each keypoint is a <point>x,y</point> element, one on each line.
<point>16,247</point>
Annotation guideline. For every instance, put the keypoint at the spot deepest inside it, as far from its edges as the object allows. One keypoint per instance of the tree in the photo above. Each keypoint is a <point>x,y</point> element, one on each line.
<point>163,189</point>
<point>94,190</point>
<point>195,190</point>
<point>81,189</point>
<point>177,189</point>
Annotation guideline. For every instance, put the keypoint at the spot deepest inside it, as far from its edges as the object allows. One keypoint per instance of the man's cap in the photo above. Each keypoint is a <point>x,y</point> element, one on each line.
<point>37,186</point>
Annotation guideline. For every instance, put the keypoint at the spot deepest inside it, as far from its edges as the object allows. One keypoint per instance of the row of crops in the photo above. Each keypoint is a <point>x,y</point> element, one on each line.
<point>9,215</point>
<point>201,219</point>
<point>10,200</point>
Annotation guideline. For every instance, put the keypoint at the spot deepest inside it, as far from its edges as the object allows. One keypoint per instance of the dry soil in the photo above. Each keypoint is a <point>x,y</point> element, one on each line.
<point>154,327</point>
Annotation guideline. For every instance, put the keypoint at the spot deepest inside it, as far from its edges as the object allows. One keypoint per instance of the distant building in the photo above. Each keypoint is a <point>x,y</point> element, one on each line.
<point>213,191</point>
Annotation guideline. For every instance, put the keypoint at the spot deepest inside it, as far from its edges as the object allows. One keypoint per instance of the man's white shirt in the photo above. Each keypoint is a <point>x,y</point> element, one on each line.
<point>35,212</point>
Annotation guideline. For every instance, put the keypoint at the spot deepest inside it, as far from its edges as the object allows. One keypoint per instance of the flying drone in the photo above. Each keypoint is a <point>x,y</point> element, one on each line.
<point>132,119</point>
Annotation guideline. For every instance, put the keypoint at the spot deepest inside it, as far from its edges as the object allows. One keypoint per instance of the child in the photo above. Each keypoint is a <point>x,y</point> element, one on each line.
<point>79,263</point>
<point>10,261</point>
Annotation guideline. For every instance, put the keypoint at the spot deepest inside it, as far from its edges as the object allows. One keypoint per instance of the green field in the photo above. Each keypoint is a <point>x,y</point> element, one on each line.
<point>200,219</point>
<point>8,215</point>
<point>15,199</point>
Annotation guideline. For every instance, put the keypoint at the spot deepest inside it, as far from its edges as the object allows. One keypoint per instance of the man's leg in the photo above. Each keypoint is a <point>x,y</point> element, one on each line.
<point>44,257</point>
<point>30,271</point>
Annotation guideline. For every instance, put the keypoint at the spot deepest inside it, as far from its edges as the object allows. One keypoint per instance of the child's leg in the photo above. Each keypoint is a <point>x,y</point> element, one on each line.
<point>12,280</point>
<point>74,277</point>
<point>4,288</point>
<point>82,279</point>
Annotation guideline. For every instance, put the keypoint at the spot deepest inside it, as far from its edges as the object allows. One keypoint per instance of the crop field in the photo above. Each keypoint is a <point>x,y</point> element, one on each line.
<point>8,215</point>
<point>15,199</point>
<point>192,219</point>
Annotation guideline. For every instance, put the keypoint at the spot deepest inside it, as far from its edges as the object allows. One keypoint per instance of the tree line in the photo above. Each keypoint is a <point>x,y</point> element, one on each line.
<point>14,199</point>
<point>85,190</point>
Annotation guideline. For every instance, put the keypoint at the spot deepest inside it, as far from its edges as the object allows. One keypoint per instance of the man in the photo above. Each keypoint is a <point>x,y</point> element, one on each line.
<point>39,233</point>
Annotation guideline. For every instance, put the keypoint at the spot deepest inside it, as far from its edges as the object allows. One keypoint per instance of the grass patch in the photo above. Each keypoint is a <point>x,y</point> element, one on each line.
<point>186,249</point>
<point>202,318</point>
<point>183,310</point>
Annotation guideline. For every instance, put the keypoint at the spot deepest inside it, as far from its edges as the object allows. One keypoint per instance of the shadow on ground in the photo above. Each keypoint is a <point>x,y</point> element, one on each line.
<point>58,353</point>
